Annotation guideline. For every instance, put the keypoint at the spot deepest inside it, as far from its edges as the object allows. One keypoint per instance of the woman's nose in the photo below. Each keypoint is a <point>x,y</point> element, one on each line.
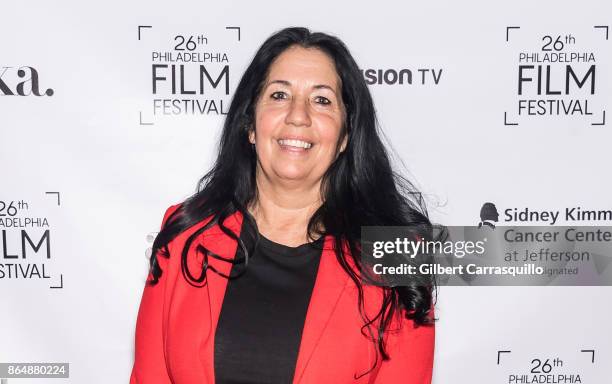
<point>298,113</point>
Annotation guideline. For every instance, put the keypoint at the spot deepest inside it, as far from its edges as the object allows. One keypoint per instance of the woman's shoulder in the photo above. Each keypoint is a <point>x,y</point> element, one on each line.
<point>169,211</point>
<point>186,227</point>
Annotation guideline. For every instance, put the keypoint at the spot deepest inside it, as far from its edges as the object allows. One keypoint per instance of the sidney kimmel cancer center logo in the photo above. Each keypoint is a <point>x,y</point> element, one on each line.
<point>490,215</point>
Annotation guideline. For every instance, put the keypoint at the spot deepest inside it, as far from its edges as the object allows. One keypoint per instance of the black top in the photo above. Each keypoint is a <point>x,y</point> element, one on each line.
<point>262,316</point>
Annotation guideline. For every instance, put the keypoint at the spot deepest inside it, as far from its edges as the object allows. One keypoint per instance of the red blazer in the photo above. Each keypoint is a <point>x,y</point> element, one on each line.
<point>176,324</point>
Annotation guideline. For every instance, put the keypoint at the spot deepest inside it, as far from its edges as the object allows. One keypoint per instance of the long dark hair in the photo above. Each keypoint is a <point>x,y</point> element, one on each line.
<point>359,189</point>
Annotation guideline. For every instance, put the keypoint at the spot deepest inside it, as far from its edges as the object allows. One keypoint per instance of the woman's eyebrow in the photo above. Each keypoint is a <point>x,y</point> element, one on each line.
<point>288,83</point>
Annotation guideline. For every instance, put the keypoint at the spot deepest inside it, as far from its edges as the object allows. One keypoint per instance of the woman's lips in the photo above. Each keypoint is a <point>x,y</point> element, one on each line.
<point>294,145</point>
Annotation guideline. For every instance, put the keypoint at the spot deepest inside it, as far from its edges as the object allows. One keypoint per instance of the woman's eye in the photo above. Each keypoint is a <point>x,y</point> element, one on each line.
<point>278,95</point>
<point>322,100</point>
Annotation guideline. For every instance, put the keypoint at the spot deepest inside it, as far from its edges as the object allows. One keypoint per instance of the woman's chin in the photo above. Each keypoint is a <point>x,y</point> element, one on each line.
<point>293,175</point>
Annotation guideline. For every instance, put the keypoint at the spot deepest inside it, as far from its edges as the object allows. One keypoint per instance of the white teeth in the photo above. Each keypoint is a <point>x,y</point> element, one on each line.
<point>295,143</point>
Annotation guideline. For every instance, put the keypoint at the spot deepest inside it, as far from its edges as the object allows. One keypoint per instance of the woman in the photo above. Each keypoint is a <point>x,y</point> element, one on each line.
<point>256,277</point>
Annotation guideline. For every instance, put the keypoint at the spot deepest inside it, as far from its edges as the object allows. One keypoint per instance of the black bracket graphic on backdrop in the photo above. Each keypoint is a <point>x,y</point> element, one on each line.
<point>55,193</point>
<point>499,354</point>
<point>61,275</point>
<point>603,122</point>
<point>506,120</point>
<point>237,28</point>
<point>508,31</point>
<point>143,26</point>
<point>602,27</point>
<point>139,29</point>
<point>142,122</point>
<point>505,113</point>
<point>61,283</point>
<point>592,354</point>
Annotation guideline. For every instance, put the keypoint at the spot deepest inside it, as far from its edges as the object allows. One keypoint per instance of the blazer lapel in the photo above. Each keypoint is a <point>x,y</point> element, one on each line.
<point>329,285</point>
<point>221,244</point>
<point>215,240</point>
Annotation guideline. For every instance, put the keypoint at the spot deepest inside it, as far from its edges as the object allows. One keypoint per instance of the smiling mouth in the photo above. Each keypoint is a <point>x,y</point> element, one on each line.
<point>292,143</point>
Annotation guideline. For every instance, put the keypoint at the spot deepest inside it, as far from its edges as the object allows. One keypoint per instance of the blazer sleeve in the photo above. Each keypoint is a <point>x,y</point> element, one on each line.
<point>411,352</point>
<point>149,361</point>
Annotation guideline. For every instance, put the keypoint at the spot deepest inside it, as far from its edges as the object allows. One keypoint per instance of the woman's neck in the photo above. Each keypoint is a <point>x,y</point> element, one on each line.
<point>282,212</point>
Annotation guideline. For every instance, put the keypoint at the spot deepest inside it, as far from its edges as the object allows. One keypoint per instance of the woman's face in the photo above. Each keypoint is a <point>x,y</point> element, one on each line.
<point>298,117</point>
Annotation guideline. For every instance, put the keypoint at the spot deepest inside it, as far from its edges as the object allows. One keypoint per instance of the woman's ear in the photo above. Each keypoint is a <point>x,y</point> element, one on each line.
<point>344,143</point>
<point>252,136</point>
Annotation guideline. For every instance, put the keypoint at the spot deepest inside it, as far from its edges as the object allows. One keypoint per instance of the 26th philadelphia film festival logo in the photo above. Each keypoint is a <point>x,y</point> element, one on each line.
<point>556,74</point>
<point>26,241</point>
<point>188,72</point>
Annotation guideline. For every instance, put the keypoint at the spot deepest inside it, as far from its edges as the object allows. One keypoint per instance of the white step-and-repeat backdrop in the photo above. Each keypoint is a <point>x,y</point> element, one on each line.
<point>107,118</point>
